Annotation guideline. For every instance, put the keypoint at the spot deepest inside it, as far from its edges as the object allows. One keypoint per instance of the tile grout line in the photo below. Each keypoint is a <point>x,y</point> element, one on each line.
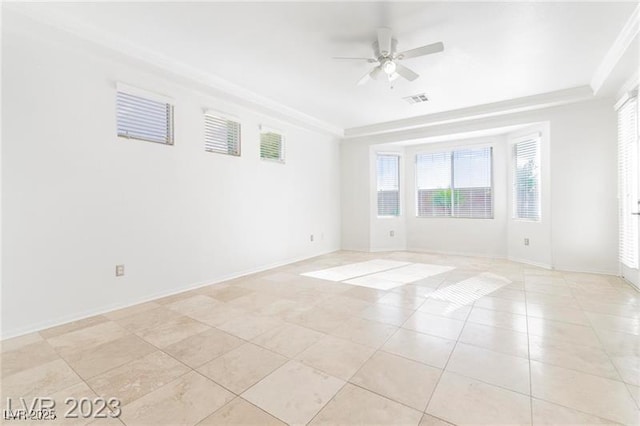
<point>571,369</point>
<point>526,312</point>
<point>348,380</point>
<point>355,276</point>
<point>356,372</point>
<point>86,384</point>
<point>380,349</point>
<point>435,388</point>
<point>604,348</point>
<point>245,400</point>
<point>158,349</point>
<point>195,370</point>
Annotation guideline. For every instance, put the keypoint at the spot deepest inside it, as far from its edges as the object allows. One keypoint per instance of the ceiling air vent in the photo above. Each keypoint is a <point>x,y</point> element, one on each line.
<point>416,99</point>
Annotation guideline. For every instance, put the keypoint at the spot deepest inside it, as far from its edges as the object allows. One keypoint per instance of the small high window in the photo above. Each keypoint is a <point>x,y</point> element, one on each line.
<point>143,116</point>
<point>271,145</point>
<point>221,135</point>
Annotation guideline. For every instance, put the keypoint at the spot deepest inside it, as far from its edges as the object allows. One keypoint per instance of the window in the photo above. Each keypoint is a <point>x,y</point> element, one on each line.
<point>221,135</point>
<point>433,173</point>
<point>143,116</point>
<point>388,184</point>
<point>455,183</point>
<point>271,145</point>
<point>526,180</point>
<point>628,182</point>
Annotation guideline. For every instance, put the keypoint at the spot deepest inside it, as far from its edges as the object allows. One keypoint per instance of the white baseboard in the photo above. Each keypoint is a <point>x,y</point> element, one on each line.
<point>457,253</point>
<point>530,262</point>
<point>115,306</point>
<point>354,248</point>
<point>587,270</point>
<point>381,250</point>
<point>510,258</point>
<point>632,285</point>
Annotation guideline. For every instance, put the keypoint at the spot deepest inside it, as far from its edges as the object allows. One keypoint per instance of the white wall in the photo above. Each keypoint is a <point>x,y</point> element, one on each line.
<point>355,193</point>
<point>584,179</point>
<point>581,233</point>
<point>77,200</point>
<point>481,237</point>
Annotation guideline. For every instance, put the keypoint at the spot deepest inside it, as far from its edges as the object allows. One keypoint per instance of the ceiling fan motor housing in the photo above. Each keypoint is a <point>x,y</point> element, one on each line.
<point>379,55</point>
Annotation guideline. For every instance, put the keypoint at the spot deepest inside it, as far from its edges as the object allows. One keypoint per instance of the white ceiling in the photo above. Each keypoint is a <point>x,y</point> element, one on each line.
<point>493,51</point>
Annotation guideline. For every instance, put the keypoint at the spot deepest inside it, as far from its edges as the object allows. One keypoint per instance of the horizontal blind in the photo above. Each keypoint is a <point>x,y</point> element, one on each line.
<point>433,181</point>
<point>526,180</point>
<point>144,119</point>
<point>472,183</point>
<point>271,146</point>
<point>388,183</point>
<point>221,135</point>
<point>628,182</point>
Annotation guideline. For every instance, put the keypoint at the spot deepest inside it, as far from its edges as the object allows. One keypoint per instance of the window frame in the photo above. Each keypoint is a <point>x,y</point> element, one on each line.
<point>149,96</point>
<point>228,118</point>
<point>399,159</point>
<point>451,151</point>
<point>267,129</point>
<point>537,137</point>
<point>627,224</point>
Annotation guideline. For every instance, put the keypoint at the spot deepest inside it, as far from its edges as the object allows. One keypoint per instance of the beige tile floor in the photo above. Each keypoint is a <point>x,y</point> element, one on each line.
<point>277,347</point>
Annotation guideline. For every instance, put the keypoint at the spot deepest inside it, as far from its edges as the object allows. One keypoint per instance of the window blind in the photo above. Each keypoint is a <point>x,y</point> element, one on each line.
<point>433,175</point>
<point>144,119</point>
<point>271,146</point>
<point>628,182</point>
<point>221,135</point>
<point>388,184</point>
<point>455,184</point>
<point>472,183</point>
<point>526,180</point>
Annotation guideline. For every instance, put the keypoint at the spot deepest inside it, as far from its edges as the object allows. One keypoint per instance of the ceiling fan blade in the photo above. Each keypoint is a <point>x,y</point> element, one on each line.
<point>406,72</point>
<point>371,75</point>
<point>421,51</point>
<point>384,41</point>
<point>364,80</point>
<point>370,60</point>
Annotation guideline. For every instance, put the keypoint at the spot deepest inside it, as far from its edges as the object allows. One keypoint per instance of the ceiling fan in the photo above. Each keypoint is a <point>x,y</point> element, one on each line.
<point>388,60</point>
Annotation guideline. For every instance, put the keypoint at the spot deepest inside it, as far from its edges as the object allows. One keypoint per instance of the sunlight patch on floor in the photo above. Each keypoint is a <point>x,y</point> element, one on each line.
<point>379,273</point>
<point>393,278</point>
<point>352,270</point>
<point>468,291</point>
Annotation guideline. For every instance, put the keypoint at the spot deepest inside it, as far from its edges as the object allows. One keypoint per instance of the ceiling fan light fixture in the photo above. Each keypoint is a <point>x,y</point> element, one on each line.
<point>389,67</point>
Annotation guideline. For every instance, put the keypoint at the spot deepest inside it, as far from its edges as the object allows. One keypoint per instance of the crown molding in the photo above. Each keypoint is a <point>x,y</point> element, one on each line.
<point>122,46</point>
<point>528,103</point>
<point>412,136</point>
<point>617,50</point>
<point>631,84</point>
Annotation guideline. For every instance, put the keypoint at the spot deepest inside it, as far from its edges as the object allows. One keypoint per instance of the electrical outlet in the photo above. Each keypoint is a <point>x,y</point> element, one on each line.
<point>526,241</point>
<point>119,270</point>
<point>392,233</point>
<point>311,237</point>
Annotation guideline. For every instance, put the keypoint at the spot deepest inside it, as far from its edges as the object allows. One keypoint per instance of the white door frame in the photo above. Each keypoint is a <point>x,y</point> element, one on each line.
<point>633,209</point>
